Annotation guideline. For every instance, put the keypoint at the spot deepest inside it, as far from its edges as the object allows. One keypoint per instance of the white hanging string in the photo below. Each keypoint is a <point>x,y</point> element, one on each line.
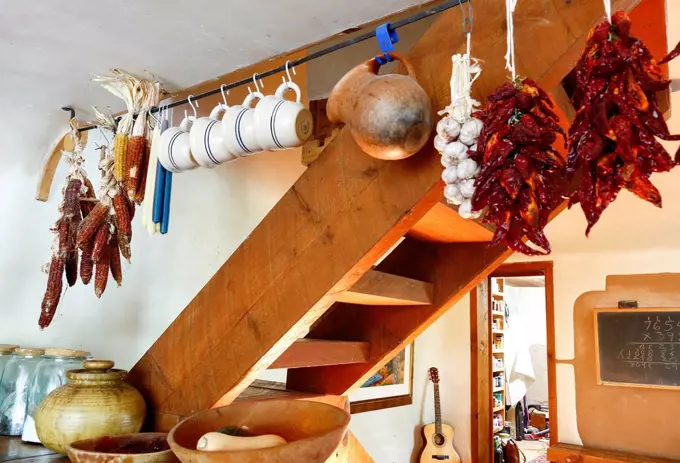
<point>608,9</point>
<point>510,54</point>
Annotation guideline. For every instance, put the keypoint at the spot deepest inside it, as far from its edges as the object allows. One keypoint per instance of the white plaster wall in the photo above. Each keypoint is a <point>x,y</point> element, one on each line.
<point>213,211</point>
<point>393,435</point>
<point>527,329</point>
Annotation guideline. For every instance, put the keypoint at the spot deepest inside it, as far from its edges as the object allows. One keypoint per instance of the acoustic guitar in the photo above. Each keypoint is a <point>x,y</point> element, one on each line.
<point>438,437</point>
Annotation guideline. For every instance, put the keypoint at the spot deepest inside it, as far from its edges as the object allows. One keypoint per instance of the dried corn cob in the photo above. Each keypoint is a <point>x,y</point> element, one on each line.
<point>90,225</point>
<point>101,241</point>
<point>101,273</point>
<point>120,156</point>
<point>124,247</point>
<point>71,268</point>
<point>87,206</point>
<point>121,206</point>
<point>71,206</point>
<point>86,262</point>
<point>114,261</point>
<point>135,156</point>
<point>141,189</point>
<point>53,291</point>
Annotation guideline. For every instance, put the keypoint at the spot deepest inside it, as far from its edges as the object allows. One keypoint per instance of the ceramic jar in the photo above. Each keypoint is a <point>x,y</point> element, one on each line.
<point>96,402</point>
<point>390,116</point>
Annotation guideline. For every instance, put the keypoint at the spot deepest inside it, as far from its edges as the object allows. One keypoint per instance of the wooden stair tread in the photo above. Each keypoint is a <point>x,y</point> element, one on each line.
<point>305,353</point>
<point>380,288</point>
<point>443,224</point>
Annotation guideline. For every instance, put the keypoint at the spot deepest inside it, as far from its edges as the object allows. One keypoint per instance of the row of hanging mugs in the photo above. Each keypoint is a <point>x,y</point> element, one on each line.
<point>274,123</point>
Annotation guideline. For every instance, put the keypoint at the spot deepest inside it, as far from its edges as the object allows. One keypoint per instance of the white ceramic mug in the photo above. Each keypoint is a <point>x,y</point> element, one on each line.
<point>281,124</point>
<point>207,141</point>
<point>175,151</point>
<point>238,131</point>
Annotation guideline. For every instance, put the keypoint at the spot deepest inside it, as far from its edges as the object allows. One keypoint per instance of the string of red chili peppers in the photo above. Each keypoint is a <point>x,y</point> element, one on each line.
<point>612,142</point>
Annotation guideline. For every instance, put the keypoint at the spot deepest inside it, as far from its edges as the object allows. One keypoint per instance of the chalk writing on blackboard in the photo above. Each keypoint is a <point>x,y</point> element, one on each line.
<point>639,347</point>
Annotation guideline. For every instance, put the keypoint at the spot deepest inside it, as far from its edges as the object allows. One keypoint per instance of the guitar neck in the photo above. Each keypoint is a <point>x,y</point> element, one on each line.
<point>437,410</point>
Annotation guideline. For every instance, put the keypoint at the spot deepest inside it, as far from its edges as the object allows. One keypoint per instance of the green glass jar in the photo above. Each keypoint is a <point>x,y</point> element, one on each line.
<point>6,351</point>
<point>14,390</point>
<point>49,375</point>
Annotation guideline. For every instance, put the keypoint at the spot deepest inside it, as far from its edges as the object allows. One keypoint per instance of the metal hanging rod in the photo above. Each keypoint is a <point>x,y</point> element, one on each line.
<point>318,54</point>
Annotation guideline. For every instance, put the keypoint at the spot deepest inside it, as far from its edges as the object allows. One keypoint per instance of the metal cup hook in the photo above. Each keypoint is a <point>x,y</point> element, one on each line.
<point>224,96</point>
<point>468,17</point>
<point>257,87</point>
<point>290,79</point>
<point>191,103</point>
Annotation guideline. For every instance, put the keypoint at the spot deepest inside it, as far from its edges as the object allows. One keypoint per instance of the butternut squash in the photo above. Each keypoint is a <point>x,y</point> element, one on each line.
<point>218,442</point>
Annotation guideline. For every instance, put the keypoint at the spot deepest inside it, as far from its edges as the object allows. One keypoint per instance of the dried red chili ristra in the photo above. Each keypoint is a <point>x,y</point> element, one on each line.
<point>520,181</point>
<point>612,141</point>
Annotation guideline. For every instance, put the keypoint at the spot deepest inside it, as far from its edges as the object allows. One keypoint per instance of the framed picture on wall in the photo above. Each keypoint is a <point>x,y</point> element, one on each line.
<point>391,386</point>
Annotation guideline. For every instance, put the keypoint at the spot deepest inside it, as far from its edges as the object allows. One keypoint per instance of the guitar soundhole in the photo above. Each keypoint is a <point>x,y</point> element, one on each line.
<point>439,439</point>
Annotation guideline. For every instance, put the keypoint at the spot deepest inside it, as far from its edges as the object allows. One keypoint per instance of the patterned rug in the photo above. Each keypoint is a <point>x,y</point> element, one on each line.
<point>541,459</point>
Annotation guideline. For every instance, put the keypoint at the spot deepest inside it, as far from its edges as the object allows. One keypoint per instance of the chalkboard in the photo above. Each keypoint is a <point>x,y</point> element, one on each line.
<point>638,347</point>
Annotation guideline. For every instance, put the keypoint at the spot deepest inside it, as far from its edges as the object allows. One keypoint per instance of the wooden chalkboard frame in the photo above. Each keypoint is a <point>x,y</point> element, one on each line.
<point>597,346</point>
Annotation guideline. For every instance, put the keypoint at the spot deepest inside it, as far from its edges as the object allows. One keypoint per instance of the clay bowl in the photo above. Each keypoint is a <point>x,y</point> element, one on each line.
<point>313,431</point>
<point>103,449</point>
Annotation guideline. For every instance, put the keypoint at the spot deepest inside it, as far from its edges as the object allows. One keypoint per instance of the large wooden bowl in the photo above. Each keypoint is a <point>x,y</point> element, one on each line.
<point>313,431</point>
<point>96,450</point>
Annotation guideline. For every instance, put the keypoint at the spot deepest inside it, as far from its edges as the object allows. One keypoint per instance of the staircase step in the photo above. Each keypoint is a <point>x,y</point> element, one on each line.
<point>319,352</point>
<point>379,288</point>
<point>443,224</point>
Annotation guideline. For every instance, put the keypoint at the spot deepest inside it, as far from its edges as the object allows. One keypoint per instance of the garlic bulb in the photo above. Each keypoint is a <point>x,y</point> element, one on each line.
<point>455,150</point>
<point>465,209</point>
<point>466,169</point>
<point>452,193</point>
<point>447,161</point>
<point>467,187</point>
<point>439,143</point>
<point>450,174</point>
<point>470,131</point>
<point>448,128</point>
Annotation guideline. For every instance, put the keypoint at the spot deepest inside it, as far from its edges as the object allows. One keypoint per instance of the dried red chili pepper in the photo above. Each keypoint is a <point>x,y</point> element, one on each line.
<point>611,141</point>
<point>521,173</point>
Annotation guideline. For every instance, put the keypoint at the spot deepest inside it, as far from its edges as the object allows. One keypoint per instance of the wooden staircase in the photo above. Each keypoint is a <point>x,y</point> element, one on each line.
<point>317,267</point>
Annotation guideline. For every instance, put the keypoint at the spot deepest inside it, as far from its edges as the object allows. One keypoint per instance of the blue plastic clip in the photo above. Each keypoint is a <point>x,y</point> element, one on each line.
<point>386,36</point>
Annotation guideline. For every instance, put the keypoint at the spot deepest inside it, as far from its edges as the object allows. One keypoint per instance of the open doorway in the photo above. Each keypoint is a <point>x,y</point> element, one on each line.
<point>513,371</point>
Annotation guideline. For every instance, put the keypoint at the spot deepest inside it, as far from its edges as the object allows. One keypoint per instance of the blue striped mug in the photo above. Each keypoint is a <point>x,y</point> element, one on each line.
<point>238,131</point>
<point>280,123</point>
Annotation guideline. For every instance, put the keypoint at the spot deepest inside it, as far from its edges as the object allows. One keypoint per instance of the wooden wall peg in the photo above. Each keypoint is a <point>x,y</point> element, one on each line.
<point>49,167</point>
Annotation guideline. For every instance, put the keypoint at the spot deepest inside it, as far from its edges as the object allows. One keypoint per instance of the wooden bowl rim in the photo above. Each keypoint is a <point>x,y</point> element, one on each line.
<point>345,424</point>
<point>152,435</point>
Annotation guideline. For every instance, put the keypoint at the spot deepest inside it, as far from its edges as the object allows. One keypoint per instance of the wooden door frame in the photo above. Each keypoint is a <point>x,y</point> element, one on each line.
<point>481,438</point>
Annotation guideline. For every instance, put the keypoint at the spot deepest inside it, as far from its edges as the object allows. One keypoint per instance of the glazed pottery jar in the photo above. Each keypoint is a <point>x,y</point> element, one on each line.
<point>14,390</point>
<point>95,402</point>
<point>390,116</point>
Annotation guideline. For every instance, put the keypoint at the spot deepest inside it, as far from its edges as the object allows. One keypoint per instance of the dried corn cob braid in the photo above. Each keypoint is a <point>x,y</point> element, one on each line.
<point>114,261</point>
<point>124,247</point>
<point>91,224</point>
<point>120,156</point>
<point>141,189</point>
<point>86,262</point>
<point>101,241</point>
<point>53,291</point>
<point>101,272</point>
